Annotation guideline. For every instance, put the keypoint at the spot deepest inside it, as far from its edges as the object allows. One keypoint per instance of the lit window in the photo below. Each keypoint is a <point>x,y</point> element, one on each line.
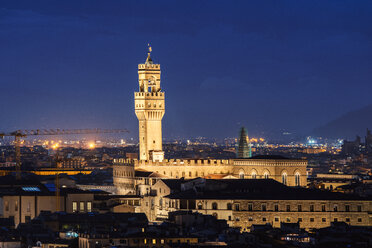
<point>82,206</point>
<point>89,206</point>
<point>153,241</point>
<point>284,178</point>
<point>297,179</point>
<point>16,206</point>
<point>74,206</point>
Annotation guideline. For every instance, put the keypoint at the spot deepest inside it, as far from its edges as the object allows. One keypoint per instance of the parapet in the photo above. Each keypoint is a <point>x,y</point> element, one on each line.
<point>124,161</point>
<point>149,66</point>
<point>184,162</point>
<point>159,94</point>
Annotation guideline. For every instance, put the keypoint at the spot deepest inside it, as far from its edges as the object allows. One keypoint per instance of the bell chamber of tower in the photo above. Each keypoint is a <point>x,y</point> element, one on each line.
<point>150,108</point>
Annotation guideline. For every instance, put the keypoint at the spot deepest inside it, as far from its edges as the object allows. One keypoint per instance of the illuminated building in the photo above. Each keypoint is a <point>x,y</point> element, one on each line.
<point>150,109</point>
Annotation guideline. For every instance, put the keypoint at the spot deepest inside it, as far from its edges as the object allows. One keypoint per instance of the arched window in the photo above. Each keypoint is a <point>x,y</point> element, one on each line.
<point>266,175</point>
<point>284,178</point>
<point>254,174</point>
<point>241,175</point>
<point>200,205</point>
<point>214,206</point>
<point>229,206</point>
<point>297,179</point>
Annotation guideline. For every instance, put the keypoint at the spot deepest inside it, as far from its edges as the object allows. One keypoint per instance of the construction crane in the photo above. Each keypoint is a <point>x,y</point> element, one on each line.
<point>38,132</point>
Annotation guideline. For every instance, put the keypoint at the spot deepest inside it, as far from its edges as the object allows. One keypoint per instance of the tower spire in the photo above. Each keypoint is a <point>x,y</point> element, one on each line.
<point>149,60</point>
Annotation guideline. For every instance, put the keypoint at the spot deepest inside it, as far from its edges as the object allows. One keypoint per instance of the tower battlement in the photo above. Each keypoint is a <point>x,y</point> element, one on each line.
<point>184,162</point>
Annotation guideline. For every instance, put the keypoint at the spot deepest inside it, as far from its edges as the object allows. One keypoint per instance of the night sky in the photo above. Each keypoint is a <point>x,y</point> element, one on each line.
<point>272,66</point>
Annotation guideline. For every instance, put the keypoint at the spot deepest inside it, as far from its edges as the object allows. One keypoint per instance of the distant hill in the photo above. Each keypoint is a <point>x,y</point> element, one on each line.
<point>348,125</point>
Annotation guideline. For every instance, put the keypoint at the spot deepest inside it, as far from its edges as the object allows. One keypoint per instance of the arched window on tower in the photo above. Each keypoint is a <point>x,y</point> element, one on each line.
<point>266,175</point>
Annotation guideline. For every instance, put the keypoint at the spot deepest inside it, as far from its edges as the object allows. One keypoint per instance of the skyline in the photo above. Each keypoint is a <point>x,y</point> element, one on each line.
<point>268,67</point>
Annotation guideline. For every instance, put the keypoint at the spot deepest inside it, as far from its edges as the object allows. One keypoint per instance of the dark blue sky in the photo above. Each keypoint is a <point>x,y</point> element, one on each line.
<point>272,66</point>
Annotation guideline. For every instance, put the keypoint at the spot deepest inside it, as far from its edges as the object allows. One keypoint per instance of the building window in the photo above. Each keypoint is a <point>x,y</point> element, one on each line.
<point>359,208</point>
<point>190,174</point>
<point>335,208</point>
<point>347,219</point>
<point>266,175</point>
<point>284,178</point>
<point>324,219</point>
<point>27,219</point>
<point>264,219</point>
<point>16,206</point>
<point>6,206</point>
<point>241,175</point>
<point>276,207</point>
<point>215,215</point>
<point>288,208</point>
<point>359,219</point>
<point>229,206</point>
<point>200,205</point>
<point>74,206</point>
<point>276,219</point>
<point>28,207</point>
<point>250,207</point>
<point>311,208</point>
<point>335,220</point>
<point>229,217</point>
<point>288,219</point>
<point>237,207</point>
<point>254,175</point>
<point>297,179</point>
<point>82,207</point>
<point>263,207</point>
<point>89,206</point>
<point>347,208</point>
<point>214,206</point>
<point>299,208</point>
<point>323,208</point>
<point>299,220</point>
<point>250,218</point>
<point>153,241</point>
<point>311,219</point>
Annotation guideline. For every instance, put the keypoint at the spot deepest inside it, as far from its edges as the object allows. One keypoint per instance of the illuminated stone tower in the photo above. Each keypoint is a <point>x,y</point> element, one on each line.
<point>149,106</point>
